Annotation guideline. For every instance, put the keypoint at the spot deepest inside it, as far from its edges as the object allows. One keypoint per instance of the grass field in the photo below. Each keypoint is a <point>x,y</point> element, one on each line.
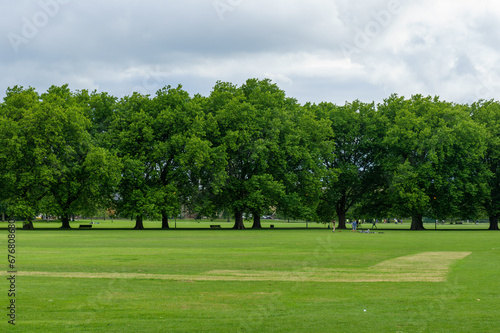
<point>281,280</point>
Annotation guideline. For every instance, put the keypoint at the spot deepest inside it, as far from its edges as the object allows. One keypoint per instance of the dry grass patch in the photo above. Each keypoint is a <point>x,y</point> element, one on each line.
<point>422,267</point>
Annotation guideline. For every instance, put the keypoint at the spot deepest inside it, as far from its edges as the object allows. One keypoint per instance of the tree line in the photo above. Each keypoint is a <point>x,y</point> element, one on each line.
<point>246,149</point>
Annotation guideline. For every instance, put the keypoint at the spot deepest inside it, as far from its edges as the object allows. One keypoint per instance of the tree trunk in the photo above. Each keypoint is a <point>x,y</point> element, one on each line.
<point>341,211</point>
<point>164,221</point>
<point>256,221</point>
<point>238,220</point>
<point>417,222</point>
<point>341,215</point>
<point>65,222</point>
<point>493,223</point>
<point>28,225</point>
<point>138,223</point>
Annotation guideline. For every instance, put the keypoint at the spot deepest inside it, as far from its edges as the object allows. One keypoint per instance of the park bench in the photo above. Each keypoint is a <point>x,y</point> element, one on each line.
<point>214,226</point>
<point>85,226</point>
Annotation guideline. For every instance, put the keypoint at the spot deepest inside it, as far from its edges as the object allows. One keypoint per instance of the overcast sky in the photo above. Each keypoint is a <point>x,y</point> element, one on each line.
<point>315,50</point>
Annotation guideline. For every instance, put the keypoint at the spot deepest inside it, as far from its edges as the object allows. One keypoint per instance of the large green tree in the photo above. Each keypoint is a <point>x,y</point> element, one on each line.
<point>161,141</point>
<point>355,166</point>
<point>306,142</point>
<point>247,135</point>
<point>82,175</point>
<point>182,151</point>
<point>57,169</point>
<point>266,150</point>
<point>433,148</point>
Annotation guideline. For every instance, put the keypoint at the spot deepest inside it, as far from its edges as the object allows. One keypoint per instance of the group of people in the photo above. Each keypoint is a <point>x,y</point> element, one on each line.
<point>356,223</point>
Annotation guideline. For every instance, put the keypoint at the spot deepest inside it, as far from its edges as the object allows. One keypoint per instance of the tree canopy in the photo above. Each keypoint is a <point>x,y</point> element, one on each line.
<point>51,164</point>
<point>250,150</point>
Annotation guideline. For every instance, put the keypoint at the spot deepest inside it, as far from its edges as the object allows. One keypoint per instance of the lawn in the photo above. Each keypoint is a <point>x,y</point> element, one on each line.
<point>281,280</point>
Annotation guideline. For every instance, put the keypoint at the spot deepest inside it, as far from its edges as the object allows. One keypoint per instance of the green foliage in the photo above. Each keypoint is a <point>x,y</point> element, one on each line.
<point>162,141</point>
<point>487,115</point>
<point>100,109</point>
<point>246,149</point>
<point>433,151</point>
<point>354,166</point>
<point>268,143</point>
<point>51,165</point>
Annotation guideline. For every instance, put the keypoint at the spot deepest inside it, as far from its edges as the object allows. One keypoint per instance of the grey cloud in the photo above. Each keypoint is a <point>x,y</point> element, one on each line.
<point>122,46</point>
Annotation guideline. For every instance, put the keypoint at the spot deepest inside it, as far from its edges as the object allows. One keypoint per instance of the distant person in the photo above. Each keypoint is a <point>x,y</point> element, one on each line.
<point>374,224</point>
<point>333,226</point>
<point>354,225</point>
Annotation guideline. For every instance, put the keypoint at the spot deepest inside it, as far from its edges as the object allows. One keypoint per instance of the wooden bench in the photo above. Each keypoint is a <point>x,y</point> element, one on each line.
<point>85,226</point>
<point>215,226</point>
